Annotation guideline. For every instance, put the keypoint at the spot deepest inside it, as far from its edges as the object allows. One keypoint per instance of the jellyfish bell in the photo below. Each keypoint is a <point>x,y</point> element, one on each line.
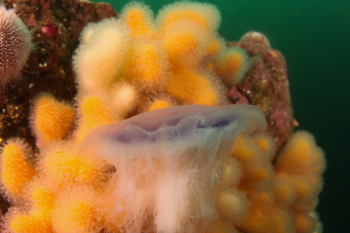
<point>186,125</point>
<point>167,163</point>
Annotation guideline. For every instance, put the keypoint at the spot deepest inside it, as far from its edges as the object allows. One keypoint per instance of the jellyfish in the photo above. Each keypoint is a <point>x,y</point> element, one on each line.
<point>168,164</point>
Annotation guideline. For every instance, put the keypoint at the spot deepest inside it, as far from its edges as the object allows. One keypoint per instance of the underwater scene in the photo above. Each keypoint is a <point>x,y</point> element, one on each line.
<point>174,116</point>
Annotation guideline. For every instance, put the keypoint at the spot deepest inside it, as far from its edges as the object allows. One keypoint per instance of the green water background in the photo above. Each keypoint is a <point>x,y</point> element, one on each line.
<point>314,36</point>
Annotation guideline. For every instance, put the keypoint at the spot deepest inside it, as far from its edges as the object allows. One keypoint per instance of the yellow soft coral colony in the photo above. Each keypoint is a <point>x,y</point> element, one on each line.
<point>17,168</point>
<point>39,218</point>
<point>140,63</point>
<point>48,111</point>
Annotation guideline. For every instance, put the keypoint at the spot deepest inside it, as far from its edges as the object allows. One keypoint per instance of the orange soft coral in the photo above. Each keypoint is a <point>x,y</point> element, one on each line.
<point>178,53</point>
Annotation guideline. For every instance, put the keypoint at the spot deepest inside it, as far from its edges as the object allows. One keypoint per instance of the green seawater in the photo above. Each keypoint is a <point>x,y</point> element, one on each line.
<point>314,36</point>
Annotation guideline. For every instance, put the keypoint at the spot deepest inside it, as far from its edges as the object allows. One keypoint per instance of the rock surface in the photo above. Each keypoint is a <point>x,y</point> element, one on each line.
<point>266,86</point>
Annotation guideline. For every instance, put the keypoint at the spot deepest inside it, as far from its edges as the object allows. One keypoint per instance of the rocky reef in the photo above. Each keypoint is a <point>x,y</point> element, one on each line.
<point>91,67</point>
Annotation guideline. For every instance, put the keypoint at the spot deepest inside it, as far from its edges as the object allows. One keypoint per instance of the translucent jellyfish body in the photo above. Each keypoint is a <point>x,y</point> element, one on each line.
<point>168,164</point>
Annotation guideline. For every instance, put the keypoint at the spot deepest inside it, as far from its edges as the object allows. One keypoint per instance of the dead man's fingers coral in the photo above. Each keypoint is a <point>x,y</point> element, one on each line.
<point>51,120</point>
<point>17,168</point>
<point>97,62</point>
<point>139,20</point>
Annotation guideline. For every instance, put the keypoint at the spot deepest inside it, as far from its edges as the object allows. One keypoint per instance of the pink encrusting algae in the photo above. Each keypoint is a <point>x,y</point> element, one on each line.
<point>130,158</point>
